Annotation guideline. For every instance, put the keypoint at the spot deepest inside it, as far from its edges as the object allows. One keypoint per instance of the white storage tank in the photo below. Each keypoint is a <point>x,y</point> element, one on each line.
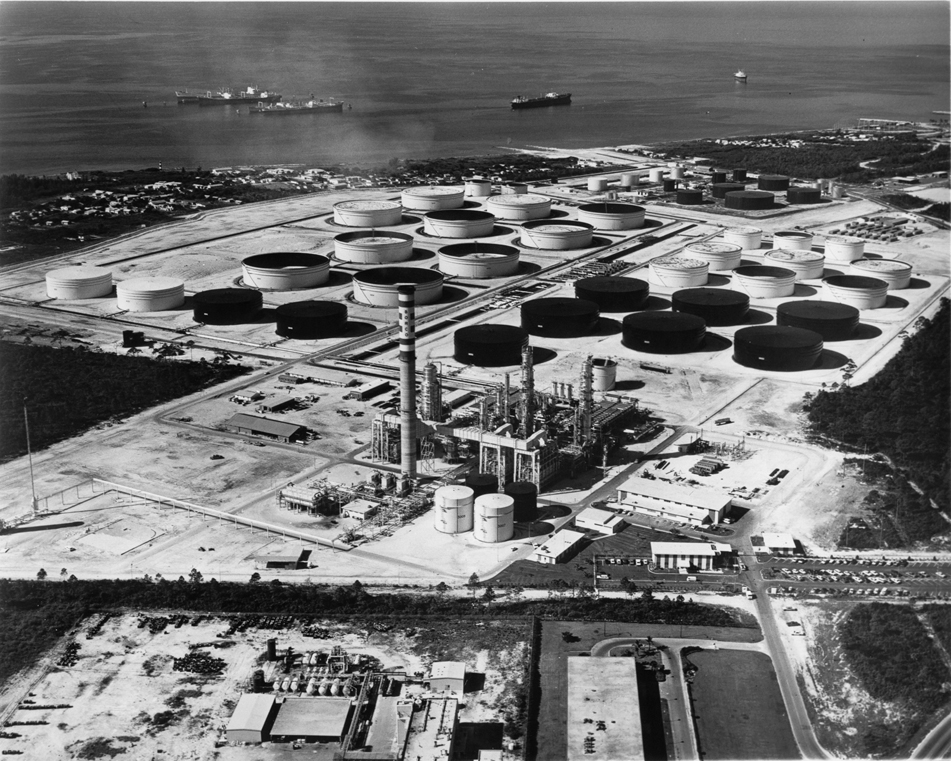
<point>372,247</point>
<point>677,172</point>
<point>478,260</point>
<point>433,198</point>
<point>597,184</point>
<point>760,282</point>
<point>519,207</point>
<point>807,265</point>
<point>678,272</point>
<point>494,518</point>
<point>285,270</point>
<point>656,175</point>
<point>478,187</point>
<point>720,256</point>
<point>895,273</point>
<point>856,291</point>
<point>603,374</point>
<point>747,238</point>
<point>83,282</point>
<point>380,287</point>
<point>557,236</point>
<point>368,213</point>
<point>629,180</point>
<point>458,223</point>
<point>844,248</point>
<point>453,509</point>
<point>612,216</point>
<point>793,240</point>
<point>150,294</point>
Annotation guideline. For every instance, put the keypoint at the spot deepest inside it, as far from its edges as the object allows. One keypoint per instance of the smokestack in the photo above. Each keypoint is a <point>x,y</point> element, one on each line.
<point>407,325</point>
<point>528,393</point>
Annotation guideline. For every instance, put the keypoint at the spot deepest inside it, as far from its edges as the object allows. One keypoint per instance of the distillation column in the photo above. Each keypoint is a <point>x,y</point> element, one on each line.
<point>528,394</point>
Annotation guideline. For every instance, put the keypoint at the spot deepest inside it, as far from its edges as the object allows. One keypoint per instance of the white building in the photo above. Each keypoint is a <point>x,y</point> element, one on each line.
<point>447,676</point>
<point>686,504</point>
<point>251,720</point>
<point>687,556</point>
<point>779,544</point>
<point>560,547</point>
<point>602,521</point>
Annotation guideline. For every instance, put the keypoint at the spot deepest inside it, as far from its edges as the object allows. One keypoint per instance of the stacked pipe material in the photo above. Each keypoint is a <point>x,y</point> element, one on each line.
<point>407,325</point>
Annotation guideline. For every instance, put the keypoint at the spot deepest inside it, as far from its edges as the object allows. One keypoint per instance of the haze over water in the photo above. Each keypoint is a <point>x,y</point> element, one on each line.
<point>436,79</point>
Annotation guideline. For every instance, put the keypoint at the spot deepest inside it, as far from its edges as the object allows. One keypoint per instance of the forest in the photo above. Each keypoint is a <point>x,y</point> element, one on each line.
<point>71,389</point>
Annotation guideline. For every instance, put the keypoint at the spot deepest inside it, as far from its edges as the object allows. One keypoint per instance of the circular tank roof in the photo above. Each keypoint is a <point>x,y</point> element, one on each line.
<point>490,333</point>
<point>761,271</point>
<point>664,322</point>
<point>460,215</point>
<point>367,205</point>
<point>710,247</point>
<point>285,260</point>
<point>678,263</point>
<point>778,337</point>
<point>373,238</point>
<point>566,226</point>
<point>711,297</point>
<point>234,296</point>
<point>611,208</point>
<point>881,265</point>
<point>398,276</point>
<point>782,255</point>
<point>150,284</point>
<point>478,250</point>
<point>519,199</point>
<point>855,281</point>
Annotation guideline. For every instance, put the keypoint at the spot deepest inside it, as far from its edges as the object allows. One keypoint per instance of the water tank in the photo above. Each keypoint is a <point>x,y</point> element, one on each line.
<point>747,238</point>
<point>769,347</point>
<point>459,223</point>
<point>597,184</point>
<point>720,189</point>
<point>560,317</point>
<point>367,213</point>
<point>494,518</point>
<point>678,272</point>
<point>793,240</point>
<point>717,306</point>
<point>856,290</point>
<point>75,283</point>
<point>524,496</point>
<point>629,180</point>
<point>656,175</point>
<point>717,176</point>
<point>433,198</point>
<point>519,207</point>
<point>285,270</point>
<point>749,200</point>
<point>379,287</point>
<point>895,273</point>
<point>226,306</point>
<point>478,261</point>
<point>808,265</point>
<point>739,175</point>
<point>803,195</point>
<point>614,294</point>
<point>612,216</point>
<point>562,235</point>
<point>372,247</point>
<point>453,509</point>
<point>773,182</point>
<point>762,282</point>
<point>670,186</point>
<point>663,332</point>
<point>489,345</point>
<point>831,320</point>
<point>272,649</point>
<point>478,187</point>
<point>844,248</point>
<point>603,373</point>
<point>311,319</point>
<point>482,483</point>
<point>720,257</point>
<point>150,294</point>
<point>689,197</point>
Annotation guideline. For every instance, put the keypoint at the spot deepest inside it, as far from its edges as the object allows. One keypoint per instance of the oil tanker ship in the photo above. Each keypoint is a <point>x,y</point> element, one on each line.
<point>548,99</point>
<point>231,98</point>
<point>306,107</point>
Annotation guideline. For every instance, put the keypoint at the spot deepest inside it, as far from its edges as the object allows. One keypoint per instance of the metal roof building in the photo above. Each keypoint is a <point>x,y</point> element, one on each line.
<point>560,547</point>
<point>602,521</point>
<point>779,544</point>
<point>262,426</point>
<point>311,720</point>
<point>672,501</point>
<point>687,555</point>
<point>250,722</point>
<point>447,676</point>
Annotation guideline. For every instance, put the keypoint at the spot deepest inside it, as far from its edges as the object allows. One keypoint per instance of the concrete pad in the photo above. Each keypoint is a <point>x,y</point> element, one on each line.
<point>604,690</point>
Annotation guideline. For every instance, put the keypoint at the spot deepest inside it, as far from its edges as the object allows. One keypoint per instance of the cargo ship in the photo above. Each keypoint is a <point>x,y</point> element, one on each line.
<point>306,107</point>
<point>230,98</point>
<point>548,99</point>
<point>740,76</point>
<point>184,96</point>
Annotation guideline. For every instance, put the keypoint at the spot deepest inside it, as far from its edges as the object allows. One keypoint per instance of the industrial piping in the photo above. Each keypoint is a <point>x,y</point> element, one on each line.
<point>407,326</point>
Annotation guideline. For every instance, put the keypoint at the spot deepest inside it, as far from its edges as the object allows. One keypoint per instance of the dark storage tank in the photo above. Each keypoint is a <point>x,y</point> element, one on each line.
<point>831,320</point>
<point>739,175</point>
<point>311,319</point>
<point>670,185</point>
<point>272,649</point>
<point>525,495</point>
<point>749,200</point>
<point>489,345</point>
<point>720,189</point>
<point>614,294</point>
<point>804,195</point>
<point>226,306</point>
<point>769,347</point>
<point>663,332</point>
<point>689,197</point>
<point>560,317</point>
<point>717,306</point>
<point>717,175</point>
<point>773,182</point>
<point>482,483</point>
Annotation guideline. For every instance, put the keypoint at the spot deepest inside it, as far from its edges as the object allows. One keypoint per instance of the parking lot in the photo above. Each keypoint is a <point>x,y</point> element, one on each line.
<point>896,577</point>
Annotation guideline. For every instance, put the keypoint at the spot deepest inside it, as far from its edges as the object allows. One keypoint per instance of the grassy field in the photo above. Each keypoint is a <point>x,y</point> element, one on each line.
<point>738,707</point>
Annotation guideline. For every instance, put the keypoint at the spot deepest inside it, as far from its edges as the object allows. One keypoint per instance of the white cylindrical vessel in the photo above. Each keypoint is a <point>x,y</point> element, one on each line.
<point>678,272</point>
<point>454,509</point>
<point>720,256</point>
<point>676,173</point>
<point>597,184</point>
<point>150,294</point>
<point>656,175</point>
<point>285,270</point>
<point>856,291</point>
<point>792,240</point>
<point>612,216</point>
<point>844,248</point>
<point>433,198</point>
<point>372,247</point>
<point>458,223</point>
<point>628,180</point>
<point>896,274</point>
<point>747,238</point>
<point>494,518</point>
<point>478,260</point>
<point>478,187</point>
<point>519,207</point>
<point>79,283</point>
<point>514,188</point>
<point>603,374</point>
<point>380,287</point>
<point>759,282</point>
<point>557,236</point>
<point>807,265</point>
<point>368,213</point>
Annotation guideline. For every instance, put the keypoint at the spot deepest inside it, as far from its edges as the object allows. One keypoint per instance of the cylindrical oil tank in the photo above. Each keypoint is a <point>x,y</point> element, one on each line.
<point>793,240</point>
<point>285,270</point>
<point>836,191</point>
<point>560,317</point>
<point>603,373</point>
<point>807,265</point>
<point>372,247</point>
<point>612,216</point>
<point>557,236</point>
<point>844,248</point>
<point>272,649</point>
<point>458,223</point>
<point>433,198</point>
<point>689,197</point>
<point>773,182</point>
<point>311,319</point>
<point>514,188</point>
<point>519,207</point>
<point>368,213</point>
<point>678,272</point>
<point>720,256</point>
<point>489,345</point>
<point>378,287</point>
<point>663,332</point>
<point>614,294</point>
<point>856,290</point>
<point>677,172</point>
<point>478,260</point>
<point>656,175</point>
<point>720,189</point>
<point>717,306</point>
<point>453,509</point>
<point>771,347</point>
<point>739,175</point>
<point>478,187</point>
<point>226,306</point>
<point>717,176</point>
<point>831,320</point>
<point>82,282</point>
<point>895,273</point>
<point>494,518</point>
<point>597,184</point>
<point>628,180</point>
<point>749,200</point>
<point>524,496</point>
<point>482,483</point>
<point>670,185</point>
<point>150,294</point>
<point>761,282</point>
<point>747,238</point>
<point>802,195</point>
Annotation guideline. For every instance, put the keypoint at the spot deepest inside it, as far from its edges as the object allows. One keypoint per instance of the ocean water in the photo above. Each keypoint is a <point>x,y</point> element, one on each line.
<point>435,79</point>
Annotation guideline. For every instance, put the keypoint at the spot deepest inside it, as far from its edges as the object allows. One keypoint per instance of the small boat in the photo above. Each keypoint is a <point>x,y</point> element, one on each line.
<point>740,76</point>
<point>312,106</point>
<point>548,99</point>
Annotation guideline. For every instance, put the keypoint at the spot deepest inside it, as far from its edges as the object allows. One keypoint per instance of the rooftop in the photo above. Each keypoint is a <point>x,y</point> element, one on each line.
<point>263,425</point>
<point>780,541</point>
<point>604,690</point>
<point>706,498</point>
<point>251,712</point>
<point>312,717</point>
<point>448,670</point>
<point>560,542</point>
<point>689,548</point>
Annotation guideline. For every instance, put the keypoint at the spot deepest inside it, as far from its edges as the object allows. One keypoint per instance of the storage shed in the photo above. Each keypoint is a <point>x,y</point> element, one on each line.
<point>252,719</point>
<point>447,676</point>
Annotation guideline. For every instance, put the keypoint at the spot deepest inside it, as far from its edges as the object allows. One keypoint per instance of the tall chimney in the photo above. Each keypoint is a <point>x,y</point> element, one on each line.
<point>407,324</point>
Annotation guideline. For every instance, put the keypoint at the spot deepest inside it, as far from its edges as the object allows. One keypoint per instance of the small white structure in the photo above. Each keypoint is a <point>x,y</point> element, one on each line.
<point>447,676</point>
<point>695,505</point>
<point>687,556</point>
<point>559,548</point>
<point>602,521</point>
<point>248,723</point>
<point>360,509</point>
<point>779,544</point>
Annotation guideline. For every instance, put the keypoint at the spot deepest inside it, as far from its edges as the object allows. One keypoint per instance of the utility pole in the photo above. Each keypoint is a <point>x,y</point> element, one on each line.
<point>29,454</point>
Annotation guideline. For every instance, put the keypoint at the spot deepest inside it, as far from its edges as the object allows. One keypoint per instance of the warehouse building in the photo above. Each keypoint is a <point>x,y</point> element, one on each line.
<point>447,676</point>
<point>252,719</point>
<point>601,521</point>
<point>278,404</point>
<point>688,556</point>
<point>251,425</point>
<point>696,506</point>
<point>604,711</point>
<point>559,548</point>
<point>311,720</point>
<point>368,390</point>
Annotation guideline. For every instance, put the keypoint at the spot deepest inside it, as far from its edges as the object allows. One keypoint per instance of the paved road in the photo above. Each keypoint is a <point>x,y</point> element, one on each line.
<point>937,744</point>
